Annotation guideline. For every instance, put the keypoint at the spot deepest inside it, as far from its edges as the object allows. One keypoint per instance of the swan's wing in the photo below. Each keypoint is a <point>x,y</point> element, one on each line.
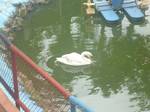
<point>64,61</point>
<point>61,60</point>
<point>87,61</point>
<point>71,55</point>
<point>73,58</point>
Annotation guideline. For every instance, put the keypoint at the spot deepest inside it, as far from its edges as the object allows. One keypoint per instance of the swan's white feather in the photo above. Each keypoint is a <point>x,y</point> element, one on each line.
<point>74,59</point>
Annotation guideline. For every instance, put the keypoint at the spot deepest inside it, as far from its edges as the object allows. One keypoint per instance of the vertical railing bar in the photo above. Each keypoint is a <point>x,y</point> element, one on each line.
<point>22,105</point>
<point>15,81</point>
<point>6,86</point>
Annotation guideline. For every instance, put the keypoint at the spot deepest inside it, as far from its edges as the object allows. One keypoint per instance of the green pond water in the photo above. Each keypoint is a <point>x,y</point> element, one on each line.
<point>120,77</point>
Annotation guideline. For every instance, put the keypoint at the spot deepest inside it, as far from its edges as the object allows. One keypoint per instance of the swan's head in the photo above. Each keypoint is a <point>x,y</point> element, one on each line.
<point>87,54</point>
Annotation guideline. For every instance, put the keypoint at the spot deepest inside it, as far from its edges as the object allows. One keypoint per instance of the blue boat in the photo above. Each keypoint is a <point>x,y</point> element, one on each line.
<point>130,8</point>
<point>106,11</point>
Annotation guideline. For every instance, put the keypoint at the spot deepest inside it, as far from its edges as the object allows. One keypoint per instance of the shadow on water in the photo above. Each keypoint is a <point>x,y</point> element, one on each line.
<point>119,79</point>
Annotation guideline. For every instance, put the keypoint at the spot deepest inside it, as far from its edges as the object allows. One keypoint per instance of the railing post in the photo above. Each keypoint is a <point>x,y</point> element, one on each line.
<point>78,104</point>
<point>15,81</point>
<point>73,108</point>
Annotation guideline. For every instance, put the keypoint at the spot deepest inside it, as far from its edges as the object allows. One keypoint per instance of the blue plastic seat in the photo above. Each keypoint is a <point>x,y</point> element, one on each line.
<point>106,10</point>
<point>132,11</point>
<point>116,4</point>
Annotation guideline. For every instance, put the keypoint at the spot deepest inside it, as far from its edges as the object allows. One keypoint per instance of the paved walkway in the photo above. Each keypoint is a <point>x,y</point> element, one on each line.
<point>6,74</point>
<point>5,104</point>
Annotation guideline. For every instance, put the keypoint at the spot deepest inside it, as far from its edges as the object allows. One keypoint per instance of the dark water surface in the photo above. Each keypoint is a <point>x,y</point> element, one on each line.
<point>119,81</point>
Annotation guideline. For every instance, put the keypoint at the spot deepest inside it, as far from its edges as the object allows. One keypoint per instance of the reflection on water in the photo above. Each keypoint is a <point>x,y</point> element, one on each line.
<point>49,40</point>
<point>85,69</point>
<point>120,80</point>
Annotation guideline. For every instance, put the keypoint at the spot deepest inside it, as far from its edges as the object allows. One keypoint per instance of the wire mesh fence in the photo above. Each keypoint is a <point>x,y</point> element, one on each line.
<point>6,75</point>
<point>5,69</point>
<point>42,92</point>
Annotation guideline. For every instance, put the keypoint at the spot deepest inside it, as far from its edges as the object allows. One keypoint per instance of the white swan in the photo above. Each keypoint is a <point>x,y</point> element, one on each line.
<point>75,59</point>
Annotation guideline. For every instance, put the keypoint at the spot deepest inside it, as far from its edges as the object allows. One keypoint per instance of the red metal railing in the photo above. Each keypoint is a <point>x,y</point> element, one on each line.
<point>20,64</point>
<point>43,93</point>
